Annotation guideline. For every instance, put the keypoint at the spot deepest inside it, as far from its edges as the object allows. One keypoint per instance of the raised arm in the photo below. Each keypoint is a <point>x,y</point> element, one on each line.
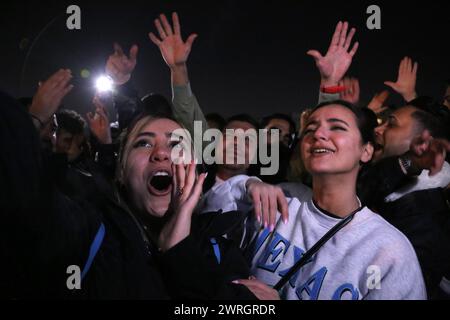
<point>175,53</point>
<point>48,97</point>
<point>174,50</point>
<point>337,60</point>
<point>120,67</point>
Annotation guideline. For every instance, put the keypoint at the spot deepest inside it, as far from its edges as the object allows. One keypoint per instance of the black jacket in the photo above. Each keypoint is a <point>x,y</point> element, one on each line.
<point>43,232</point>
<point>423,216</point>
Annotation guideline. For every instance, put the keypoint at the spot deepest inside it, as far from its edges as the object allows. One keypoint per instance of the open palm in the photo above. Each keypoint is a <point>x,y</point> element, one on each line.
<point>406,80</point>
<point>335,63</point>
<point>173,49</point>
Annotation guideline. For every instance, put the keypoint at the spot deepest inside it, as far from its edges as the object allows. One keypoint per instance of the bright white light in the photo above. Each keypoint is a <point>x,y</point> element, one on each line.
<point>104,84</point>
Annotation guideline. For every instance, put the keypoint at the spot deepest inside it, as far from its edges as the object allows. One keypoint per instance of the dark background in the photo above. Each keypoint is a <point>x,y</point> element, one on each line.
<point>249,56</point>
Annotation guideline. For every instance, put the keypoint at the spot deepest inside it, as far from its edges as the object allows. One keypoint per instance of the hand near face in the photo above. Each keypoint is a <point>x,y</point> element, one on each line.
<point>335,63</point>
<point>186,191</point>
<point>428,153</point>
<point>99,122</point>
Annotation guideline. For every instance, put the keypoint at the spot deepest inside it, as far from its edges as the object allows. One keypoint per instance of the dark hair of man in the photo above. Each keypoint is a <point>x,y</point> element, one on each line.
<point>431,116</point>
<point>364,118</point>
<point>156,104</point>
<point>243,117</point>
<point>71,122</point>
<point>265,121</point>
<point>217,118</point>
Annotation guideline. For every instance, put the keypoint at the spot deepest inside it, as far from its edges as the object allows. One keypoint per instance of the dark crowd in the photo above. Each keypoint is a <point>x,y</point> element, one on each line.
<point>96,206</point>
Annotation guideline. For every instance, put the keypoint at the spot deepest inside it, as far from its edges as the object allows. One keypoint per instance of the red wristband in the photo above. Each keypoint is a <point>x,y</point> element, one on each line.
<point>333,90</point>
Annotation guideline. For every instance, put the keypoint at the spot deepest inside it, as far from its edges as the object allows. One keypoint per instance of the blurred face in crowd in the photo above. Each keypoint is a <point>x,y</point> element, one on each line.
<point>146,165</point>
<point>283,126</point>
<point>213,124</point>
<point>394,137</point>
<point>246,153</point>
<point>48,134</point>
<point>332,144</point>
<point>447,98</point>
<point>68,143</point>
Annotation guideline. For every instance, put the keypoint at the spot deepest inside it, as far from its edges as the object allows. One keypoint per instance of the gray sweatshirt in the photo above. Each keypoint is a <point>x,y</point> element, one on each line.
<point>367,259</point>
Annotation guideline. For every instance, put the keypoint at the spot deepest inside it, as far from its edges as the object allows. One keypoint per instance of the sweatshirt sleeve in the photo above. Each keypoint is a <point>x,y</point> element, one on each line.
<point>230,195</point>
<point>324,97</point>
<point>401,275</point>
<point>186,108</point>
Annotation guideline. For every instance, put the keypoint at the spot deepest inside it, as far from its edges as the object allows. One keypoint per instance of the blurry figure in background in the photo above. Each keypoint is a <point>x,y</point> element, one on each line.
<point>71,135</point>
<point>284,124</point>
<point>446,99</point>
<point>215,121</point>
<point>78,175</point>
<point>228,165</point>
<point>286,130</point>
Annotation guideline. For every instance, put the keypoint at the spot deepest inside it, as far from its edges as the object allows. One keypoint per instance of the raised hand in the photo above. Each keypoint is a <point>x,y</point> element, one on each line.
<point>267,199</point>
<point>99,122</point>
<point>119,66</point>
<point>351,93</point>
<point>186,191</point>
<point>49,95</point>
<point>427,153</point>
<point>377,104</point>
<point>174,50</point>
<point>406,80</point>
<point>335,63</point>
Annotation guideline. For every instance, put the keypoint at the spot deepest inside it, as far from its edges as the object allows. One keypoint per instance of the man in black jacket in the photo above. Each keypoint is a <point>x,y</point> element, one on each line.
<point>399,189</point>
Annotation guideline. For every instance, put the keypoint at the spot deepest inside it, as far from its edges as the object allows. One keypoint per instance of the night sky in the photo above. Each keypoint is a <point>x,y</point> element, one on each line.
<point>249,56</point>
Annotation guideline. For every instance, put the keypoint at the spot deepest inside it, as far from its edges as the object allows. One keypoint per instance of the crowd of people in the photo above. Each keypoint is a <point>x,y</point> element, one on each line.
<point>359,207</point>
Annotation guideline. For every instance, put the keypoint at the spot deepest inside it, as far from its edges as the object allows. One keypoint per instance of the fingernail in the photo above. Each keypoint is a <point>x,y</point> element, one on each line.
<point>285,221</point>
<point>265,225</point>
<point>272,227</point>
<point>235,281</point>
<point>206,175</point>
<point>259,219</point>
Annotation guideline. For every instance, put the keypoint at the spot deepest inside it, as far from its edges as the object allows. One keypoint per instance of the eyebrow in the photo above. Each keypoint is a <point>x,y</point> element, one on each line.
<point>331,120</point>
<point>152,134</point>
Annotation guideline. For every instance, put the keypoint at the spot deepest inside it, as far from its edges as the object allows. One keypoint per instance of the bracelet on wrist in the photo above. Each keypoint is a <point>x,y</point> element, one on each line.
<point>333,89</point>
<point>39,121</point>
